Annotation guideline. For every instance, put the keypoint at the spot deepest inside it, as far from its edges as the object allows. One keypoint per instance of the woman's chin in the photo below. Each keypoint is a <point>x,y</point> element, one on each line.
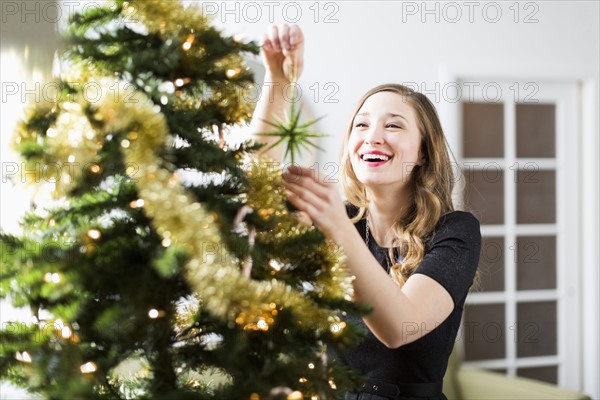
<point>373,181</point>
<point>382,183</point>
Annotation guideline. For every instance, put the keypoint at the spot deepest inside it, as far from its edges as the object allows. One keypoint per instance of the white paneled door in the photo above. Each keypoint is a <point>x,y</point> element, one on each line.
<point>519,154</point>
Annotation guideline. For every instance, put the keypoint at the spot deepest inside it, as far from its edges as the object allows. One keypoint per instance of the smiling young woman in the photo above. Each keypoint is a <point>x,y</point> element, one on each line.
<point>398,222</point>
<point>417,178</point>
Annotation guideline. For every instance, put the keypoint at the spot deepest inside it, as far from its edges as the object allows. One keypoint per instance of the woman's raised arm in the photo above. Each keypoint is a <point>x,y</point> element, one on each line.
<point>283,59</point>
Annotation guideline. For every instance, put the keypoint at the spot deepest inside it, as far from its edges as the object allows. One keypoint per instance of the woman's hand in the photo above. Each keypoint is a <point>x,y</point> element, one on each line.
<point>309,192</point>
<point>283,47</point>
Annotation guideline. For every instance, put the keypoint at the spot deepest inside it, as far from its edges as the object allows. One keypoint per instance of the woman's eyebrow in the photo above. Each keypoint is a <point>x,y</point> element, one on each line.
<point>389,114</point>
<point>397,115</point>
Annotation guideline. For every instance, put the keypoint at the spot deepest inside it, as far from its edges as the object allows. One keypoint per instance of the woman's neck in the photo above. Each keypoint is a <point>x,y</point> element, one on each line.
<point>383,211</point>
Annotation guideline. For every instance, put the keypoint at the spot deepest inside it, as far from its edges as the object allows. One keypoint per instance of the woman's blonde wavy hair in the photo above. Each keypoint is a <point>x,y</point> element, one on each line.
<point>431,183</point>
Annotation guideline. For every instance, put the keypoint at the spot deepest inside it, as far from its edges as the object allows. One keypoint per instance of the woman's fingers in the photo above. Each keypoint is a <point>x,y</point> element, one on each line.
<point>297,47</point>
<point>283,51</point>
<point>325,210</point>
<point>315,204</point>
<point>284,37</point>
<point>304,193</point>
<point>304,218</point>
<point>296,172</point>
<point>274,36</point>
<point>307,182</point>
<point>267,43</point>
<point>302,200</point>
<point>280,37</point>
<point>296,36</point>
<point>308,192</point>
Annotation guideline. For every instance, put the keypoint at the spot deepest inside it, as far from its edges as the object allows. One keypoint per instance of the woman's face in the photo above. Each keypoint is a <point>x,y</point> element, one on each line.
<point>384,143</point>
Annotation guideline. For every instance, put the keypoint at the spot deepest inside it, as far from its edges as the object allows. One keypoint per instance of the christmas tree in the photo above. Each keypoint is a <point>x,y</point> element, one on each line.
<point>143,285</point>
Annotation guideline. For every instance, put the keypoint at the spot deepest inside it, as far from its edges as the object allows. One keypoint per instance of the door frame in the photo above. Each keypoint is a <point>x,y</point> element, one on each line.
<point>588,193</point>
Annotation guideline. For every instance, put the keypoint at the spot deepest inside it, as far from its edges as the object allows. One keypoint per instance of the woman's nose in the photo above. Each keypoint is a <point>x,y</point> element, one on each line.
<point>374,135</point>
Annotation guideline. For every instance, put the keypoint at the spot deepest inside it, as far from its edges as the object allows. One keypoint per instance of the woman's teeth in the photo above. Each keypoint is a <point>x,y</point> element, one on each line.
<point>375,157</point>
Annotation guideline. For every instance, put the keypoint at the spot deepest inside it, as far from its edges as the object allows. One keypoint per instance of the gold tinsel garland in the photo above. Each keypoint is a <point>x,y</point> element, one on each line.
<point>267,196</point>
<point>71,145</point>
<point>164,17</point>
<point>180,220</point>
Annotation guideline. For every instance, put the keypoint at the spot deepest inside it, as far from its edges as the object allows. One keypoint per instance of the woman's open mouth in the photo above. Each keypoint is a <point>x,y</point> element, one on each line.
<point>375,159</point>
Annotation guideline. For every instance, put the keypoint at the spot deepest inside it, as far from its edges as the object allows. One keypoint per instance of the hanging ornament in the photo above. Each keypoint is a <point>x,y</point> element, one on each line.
<point>291,133</point>
<point>240,228</point>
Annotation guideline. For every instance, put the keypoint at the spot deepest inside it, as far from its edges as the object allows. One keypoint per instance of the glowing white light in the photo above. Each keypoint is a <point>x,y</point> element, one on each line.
<point>66,332</point>
<point>139,203</point>
<point>88,368</point>
<point>24,357</point>
<point>262,325</point>
<point>276,265</point>
<point>337,327</point>
<point>232,72</point>
<point>94,234</point>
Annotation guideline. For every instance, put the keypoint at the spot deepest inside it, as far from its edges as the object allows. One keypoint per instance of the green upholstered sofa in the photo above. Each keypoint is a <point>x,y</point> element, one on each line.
<point>477,384</point>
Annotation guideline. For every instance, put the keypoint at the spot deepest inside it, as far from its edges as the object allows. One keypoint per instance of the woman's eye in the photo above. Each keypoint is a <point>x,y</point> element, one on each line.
<point>360,125</point>
<point>395,126</point>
